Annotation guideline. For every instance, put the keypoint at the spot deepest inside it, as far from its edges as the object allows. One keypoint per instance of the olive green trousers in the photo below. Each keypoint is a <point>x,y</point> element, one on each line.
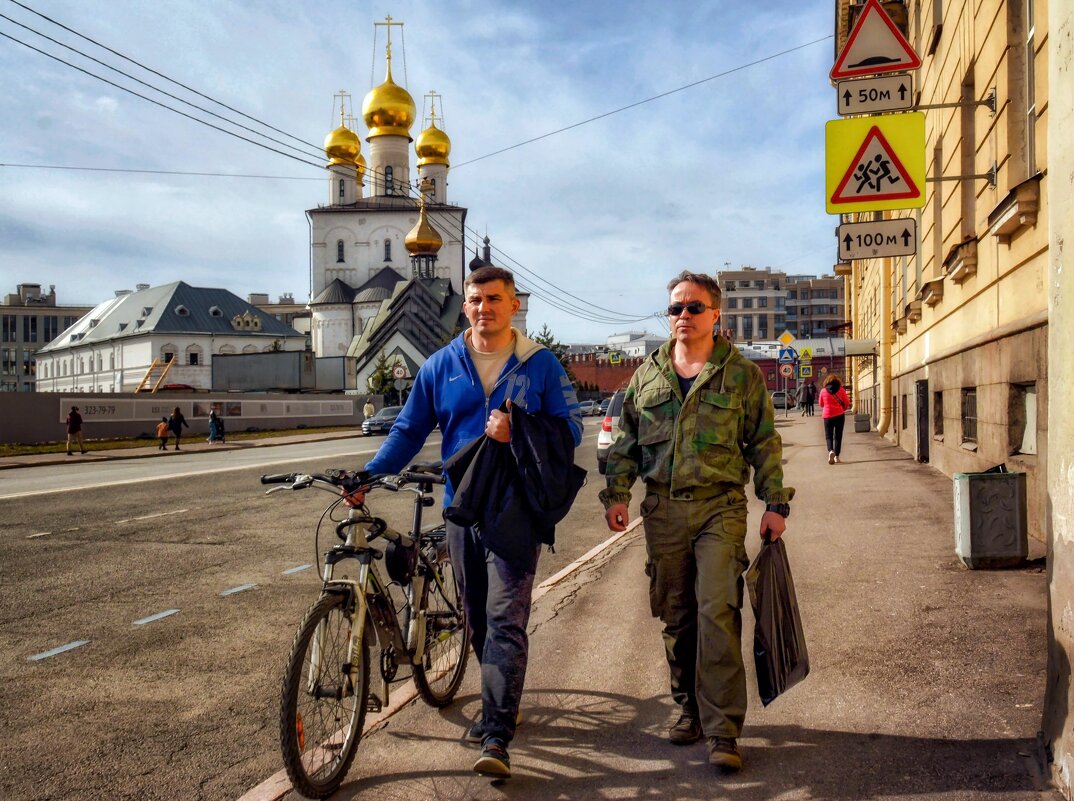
<point>695,560</point>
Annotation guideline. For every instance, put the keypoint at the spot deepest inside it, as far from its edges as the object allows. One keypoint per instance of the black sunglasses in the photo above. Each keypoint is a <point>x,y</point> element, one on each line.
<point>694,307</point>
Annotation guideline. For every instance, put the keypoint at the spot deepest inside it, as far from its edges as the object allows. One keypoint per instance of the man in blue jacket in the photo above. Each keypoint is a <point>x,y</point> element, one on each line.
<point>462,387</point>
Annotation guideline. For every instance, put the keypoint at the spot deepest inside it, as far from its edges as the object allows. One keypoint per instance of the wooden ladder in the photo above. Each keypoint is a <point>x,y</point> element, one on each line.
<point>154,376</point>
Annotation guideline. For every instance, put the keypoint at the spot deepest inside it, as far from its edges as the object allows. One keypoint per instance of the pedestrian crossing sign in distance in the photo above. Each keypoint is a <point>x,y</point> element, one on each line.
<point>875,163</point>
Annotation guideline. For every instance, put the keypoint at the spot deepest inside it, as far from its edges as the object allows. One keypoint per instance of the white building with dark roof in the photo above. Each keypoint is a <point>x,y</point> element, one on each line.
<point>158,336</point>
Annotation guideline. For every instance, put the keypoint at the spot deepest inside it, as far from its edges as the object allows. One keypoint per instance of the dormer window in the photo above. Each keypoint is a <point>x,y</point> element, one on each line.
<point>215,311</point>
<point>182,311</point>
<point>122,326</point>
<point>146,311</point>
<point>93,323</point>
<point>246,322</point>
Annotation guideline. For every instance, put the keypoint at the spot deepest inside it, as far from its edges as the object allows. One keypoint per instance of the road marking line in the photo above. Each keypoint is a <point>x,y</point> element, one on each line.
<point>39,534</point>
<point>57,650</point>
<point>150,517</point>
<point>157,616</point>
<point>291,570</point>
<point>240,588</point>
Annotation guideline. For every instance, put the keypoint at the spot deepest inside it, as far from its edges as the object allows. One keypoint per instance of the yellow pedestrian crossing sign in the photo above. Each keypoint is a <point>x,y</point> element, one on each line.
<point>875,163</point>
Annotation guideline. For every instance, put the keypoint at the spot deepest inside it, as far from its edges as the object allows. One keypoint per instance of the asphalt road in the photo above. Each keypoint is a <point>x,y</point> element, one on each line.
<point>180,586</point>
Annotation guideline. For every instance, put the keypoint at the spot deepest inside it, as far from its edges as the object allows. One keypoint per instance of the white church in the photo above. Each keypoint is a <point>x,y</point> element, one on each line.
<point>388,264</point>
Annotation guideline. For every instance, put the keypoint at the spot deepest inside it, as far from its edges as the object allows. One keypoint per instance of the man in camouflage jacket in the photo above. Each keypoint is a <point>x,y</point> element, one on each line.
<point>696,417</point>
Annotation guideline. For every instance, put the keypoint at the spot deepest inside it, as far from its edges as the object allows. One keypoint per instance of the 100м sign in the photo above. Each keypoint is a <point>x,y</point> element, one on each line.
<point>877,239</point>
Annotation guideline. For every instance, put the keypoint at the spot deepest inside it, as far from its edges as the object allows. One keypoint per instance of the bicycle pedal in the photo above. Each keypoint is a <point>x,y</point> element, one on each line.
<point>373,704</point>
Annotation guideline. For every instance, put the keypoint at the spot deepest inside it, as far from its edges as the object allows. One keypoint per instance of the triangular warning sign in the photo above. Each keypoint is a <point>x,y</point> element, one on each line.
<point>875,173</point>
<point>875,45</point>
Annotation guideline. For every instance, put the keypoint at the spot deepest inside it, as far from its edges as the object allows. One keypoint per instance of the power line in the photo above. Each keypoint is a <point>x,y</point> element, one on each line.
<point>646,100</point>
<point>157,102</point>
<point>159,74</point>
<point>159,172</point>
<point>157,89</point>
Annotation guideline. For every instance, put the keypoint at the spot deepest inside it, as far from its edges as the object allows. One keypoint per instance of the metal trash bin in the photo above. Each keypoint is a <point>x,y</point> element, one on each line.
<point>862,423</point>
<point>990,518</point>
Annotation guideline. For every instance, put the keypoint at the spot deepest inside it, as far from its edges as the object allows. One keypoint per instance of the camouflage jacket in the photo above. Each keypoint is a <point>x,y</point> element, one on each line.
<point>704,443</point>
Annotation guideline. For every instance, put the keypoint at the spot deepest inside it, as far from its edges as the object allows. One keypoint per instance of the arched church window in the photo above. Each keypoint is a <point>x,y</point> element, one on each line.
<point>339,250</point>
<point>341,195</point>
<point>389,181</point>
<point>387,250</point>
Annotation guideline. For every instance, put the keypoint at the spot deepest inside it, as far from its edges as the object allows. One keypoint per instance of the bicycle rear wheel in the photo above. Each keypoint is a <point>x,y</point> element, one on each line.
<point>323,703</point>
<point>447,636</point>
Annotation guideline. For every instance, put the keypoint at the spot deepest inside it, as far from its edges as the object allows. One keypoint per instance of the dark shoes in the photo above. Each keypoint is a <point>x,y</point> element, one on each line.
<point>494,761</point>
<point>723,753</point>
<point>476,733</point>
<point>687,730</point>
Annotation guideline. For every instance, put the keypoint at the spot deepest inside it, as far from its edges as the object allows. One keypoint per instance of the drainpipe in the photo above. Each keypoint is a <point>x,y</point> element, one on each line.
<point>884,372</point>
<point>850,291</point>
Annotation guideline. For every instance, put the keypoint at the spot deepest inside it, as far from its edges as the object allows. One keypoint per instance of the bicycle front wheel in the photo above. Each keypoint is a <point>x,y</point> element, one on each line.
<point>447,636</point>
<point>323,704</point>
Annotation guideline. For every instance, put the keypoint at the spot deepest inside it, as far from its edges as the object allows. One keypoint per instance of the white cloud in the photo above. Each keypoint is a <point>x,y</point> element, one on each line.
<point>728,171</point>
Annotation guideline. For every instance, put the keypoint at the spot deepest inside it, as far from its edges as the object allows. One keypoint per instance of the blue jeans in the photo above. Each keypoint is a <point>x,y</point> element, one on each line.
<point>496,596</point>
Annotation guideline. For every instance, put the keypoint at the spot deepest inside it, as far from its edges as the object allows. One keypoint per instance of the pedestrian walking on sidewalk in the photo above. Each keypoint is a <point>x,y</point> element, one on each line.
<point>175,425</point>
<point>74,430</point>
<point>696,418</point>
<point>811,398</point>
<point>162,433</point>
<point>834,403</point>
<point>216,427</point>
<point>462,387</point>
<point>369,409</point>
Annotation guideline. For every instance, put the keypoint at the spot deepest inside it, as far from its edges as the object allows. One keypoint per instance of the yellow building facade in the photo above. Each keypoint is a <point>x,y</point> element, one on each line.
<point>959,377</point>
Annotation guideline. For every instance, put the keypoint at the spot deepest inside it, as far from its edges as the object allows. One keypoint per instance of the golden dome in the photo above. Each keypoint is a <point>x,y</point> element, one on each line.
<point>389,109</point>
<point>342,146</point>
<point>433,146</point>
<point>423,240</point>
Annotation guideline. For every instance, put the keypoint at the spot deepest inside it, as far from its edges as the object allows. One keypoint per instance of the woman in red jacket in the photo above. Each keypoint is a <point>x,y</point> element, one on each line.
<point>833,405</point>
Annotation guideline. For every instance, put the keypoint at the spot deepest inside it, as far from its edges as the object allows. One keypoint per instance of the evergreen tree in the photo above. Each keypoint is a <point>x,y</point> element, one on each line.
<point>545,337</point>
<point>381,381</point>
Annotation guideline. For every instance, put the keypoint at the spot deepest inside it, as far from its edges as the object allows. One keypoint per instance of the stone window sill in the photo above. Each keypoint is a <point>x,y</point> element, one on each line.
<point>1017,210</point>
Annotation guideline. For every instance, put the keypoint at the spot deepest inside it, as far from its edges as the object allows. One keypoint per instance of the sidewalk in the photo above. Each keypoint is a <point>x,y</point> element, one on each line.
<point>927,678</point>
<point>191,443</point>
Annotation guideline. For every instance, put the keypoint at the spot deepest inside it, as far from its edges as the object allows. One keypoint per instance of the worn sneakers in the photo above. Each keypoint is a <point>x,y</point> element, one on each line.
<point>723,753</point>
<point>831,457</point>
<point>686,730</point>
<point>494,761</point>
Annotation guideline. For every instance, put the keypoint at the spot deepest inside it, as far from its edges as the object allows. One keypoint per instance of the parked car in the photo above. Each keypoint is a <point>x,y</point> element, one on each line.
<point>609,429</point>
<point>604,406</point>
<point>783,400</point>
<point>382,421</point>
<point>589,408</point>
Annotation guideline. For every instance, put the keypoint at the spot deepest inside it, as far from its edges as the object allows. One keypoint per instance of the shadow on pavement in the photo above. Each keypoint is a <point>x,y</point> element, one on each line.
<point>576,744</point>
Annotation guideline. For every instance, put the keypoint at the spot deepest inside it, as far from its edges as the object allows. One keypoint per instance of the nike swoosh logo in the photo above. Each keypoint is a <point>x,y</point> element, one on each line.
<point>453,378</point>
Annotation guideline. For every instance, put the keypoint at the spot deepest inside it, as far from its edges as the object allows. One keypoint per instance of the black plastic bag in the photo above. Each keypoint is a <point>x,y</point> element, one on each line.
<point>779,646</point>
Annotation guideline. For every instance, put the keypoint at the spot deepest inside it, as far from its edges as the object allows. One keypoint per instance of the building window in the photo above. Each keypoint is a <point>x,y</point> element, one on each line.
<point>387,250</point>
<point>747,303</point>
<point>342,194</point>
<point>193,357</point>
<point>29,329</point>
<point>905,415</point>
<point>10,329</point>
<point>732,303</point>
<point>762,303</point>
<point>8,365</point>
<point>168,356</point>
<point>969,416</point>
<point>389,181</point>
<point>339,250</point>
<point>1022,419</point>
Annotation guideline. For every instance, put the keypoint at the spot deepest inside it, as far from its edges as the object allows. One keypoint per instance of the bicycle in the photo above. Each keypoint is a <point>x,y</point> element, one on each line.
<point>416,617</point>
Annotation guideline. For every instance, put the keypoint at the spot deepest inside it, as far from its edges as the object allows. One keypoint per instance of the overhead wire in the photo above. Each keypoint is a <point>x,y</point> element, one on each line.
<point>159,74</point>
<point>157,102</point>
<point>157,89</point>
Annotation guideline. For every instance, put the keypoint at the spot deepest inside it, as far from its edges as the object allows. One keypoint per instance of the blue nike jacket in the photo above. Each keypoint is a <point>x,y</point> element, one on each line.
<point>447,391</point>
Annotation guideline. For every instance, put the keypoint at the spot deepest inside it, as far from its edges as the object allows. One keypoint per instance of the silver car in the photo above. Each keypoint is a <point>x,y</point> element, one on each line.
<point>609,430</point>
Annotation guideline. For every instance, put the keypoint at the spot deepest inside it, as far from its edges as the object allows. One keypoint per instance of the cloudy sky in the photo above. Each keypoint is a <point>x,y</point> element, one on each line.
<point>595,219</point>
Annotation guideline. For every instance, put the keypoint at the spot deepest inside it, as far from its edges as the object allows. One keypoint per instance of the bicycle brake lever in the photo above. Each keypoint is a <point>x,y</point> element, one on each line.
<point>276,489</point>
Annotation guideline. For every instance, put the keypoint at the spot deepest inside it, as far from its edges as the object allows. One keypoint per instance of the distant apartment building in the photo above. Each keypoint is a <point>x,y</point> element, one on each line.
<point>759,304</point>
<point>29,320</point>
<point>815,306</point>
